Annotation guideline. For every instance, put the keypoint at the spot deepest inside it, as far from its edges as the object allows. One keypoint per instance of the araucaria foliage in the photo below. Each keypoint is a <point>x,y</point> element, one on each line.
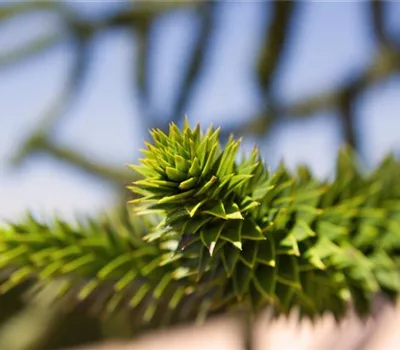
<point>210,233</point>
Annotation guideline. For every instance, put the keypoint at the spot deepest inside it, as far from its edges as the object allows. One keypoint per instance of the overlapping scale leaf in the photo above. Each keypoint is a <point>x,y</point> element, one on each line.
<point>281,238</point>
<point>105,261</point>
<point>228,232</point>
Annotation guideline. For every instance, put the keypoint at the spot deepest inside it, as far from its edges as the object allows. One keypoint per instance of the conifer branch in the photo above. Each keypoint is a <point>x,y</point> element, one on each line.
<point>217,233</point>
<point>105,265</point>
<point>277,238</point>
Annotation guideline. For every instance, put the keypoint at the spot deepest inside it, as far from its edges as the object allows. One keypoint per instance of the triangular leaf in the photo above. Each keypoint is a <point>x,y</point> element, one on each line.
<point>266,252</point>
<point>209,236</point>
<point>241,279</point>
<point>233,212</point>
<point>232,235</point>
<point>217,210</point>
<point>265,280</point>
<point>288,271</point>
<point>230,257</point>
<point>251,231</point>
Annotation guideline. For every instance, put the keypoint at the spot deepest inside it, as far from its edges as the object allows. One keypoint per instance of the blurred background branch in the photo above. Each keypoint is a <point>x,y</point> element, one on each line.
<point>140,17</point>
<point>207,15</point>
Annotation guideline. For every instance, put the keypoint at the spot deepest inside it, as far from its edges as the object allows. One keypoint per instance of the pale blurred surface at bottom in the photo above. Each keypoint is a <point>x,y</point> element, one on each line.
<point>380,332</point>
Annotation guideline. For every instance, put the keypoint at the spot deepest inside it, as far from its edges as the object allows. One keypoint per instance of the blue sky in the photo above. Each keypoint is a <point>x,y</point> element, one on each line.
<point>332,41</point>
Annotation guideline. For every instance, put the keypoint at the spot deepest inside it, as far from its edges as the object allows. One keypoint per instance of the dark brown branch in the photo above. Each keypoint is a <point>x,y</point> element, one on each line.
<point>58,109</point>
<point>40,145</point>
<point>97,169</point>
<point>275,41</point>
<point>32,49</point>
<point>378,10</point>
<point>346,107</point>
<point>11,10</point>
<point>377,18</point>
<point>385,64</point>
<point>268,61</point>
<point>142,40</point>
<point>143,12</point>
<point>196,60</point>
